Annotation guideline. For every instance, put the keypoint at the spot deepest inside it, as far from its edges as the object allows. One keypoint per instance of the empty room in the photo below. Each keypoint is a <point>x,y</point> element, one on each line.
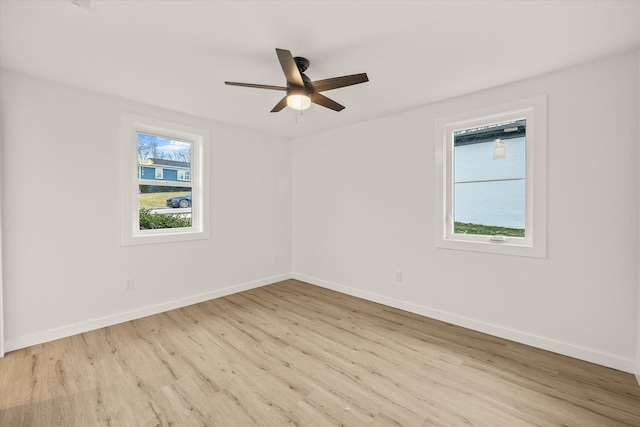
<point>319,213</point>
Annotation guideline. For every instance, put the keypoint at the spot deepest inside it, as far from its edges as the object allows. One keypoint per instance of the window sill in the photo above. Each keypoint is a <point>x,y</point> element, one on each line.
<point>163,236</point>
<point>493,247</point>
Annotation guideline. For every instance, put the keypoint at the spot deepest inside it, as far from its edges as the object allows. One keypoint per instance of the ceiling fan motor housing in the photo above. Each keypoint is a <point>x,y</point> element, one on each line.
<point>302,63</point>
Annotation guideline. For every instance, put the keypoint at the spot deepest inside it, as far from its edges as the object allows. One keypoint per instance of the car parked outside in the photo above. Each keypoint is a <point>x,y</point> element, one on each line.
<point>179,201</point>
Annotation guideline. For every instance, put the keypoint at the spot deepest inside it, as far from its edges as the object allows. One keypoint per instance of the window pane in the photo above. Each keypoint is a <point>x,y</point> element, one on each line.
<point>163,159</point>
<point>494,204</point>
<point>164,207</point>
<point>475,157</point>
<point>489,179</point>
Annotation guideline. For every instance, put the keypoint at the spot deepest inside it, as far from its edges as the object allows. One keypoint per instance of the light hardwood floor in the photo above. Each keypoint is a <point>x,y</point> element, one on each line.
<point>293,354</point>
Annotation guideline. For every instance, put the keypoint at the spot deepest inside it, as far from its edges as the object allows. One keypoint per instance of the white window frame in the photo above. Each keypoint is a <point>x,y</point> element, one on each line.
<point>159,173</point>
<point>133,124</point>
<point>183,172</point>
<point>534,110</point>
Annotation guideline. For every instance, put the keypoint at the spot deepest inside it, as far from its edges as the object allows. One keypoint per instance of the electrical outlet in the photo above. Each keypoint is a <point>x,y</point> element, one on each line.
<point>128,284</point>
<point>399,276</point>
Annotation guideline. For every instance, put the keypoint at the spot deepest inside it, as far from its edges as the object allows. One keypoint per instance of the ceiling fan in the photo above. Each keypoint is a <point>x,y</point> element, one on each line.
<point>301,91</point>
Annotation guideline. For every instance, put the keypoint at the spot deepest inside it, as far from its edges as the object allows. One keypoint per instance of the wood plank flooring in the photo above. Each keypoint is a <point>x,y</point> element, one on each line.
<point>293,354</point>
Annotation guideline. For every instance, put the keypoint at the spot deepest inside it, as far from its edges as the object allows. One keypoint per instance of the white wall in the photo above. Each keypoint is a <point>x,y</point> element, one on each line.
<point>363,208</point>
<point>63,263</point>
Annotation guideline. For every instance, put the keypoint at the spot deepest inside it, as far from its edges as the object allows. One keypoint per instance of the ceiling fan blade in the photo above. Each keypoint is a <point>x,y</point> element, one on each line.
<point>319,99</point>
<point>280,105</point>
<point>256,86</point>
<point>289,68</point>
<point>337,82</point>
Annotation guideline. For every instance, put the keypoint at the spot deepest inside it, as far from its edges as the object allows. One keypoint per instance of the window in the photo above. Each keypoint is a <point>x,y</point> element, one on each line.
<point>164,180</point>
<point>491,179</point>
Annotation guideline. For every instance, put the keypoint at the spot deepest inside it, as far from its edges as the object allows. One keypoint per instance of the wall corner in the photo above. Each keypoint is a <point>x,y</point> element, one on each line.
<point>638,218</point>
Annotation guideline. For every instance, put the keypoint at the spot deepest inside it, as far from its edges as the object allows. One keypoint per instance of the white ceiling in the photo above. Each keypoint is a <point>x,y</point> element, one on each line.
<point>177,54</point>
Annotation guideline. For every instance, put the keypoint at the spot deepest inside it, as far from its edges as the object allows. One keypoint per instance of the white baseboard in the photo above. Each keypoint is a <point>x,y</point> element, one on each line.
<point>589,355</point>
<point>600,358</point>
<point>53,334</point>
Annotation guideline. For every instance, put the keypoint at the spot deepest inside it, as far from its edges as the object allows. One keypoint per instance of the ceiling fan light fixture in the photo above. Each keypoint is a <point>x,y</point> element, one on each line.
<point>298,100</point>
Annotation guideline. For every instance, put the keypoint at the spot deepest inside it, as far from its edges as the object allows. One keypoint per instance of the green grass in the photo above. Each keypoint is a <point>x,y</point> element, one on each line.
<point>486,230</point>
<point>158,200</point>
